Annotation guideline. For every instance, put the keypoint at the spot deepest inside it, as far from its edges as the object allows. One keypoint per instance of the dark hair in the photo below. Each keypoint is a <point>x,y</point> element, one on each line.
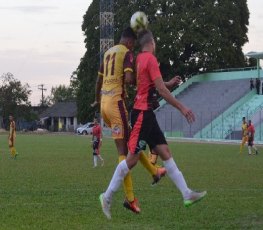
<point>144,37</point>
<point>243,118</point>
<point>128,33</point>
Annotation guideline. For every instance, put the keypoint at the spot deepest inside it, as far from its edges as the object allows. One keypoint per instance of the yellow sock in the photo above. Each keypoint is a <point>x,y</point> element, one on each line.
<point>12,151</point>
<point>241,148</point>
<point>147,164</point>
<point>152,158</point>
<point>127,183</point>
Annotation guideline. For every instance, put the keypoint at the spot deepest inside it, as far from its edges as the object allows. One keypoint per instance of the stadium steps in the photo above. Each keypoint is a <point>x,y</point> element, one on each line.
<point>207,99</point>
<point>222,127</point>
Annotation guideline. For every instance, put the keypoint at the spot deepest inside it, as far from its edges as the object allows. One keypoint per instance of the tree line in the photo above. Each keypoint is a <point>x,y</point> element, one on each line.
<point>14,98</point>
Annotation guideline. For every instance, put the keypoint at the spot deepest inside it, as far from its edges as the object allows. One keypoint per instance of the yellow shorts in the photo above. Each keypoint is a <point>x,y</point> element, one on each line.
<point>115,116</point>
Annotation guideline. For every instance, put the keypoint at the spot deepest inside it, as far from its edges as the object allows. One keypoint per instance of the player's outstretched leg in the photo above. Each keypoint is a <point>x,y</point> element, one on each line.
<point>194,197</point>
<point>133,206</point>
<point>105,205</point>
<point>160,173</point>
<point>190,197</point>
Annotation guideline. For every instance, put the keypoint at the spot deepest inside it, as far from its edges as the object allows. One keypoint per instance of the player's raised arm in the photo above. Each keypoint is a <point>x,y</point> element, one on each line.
<point>128,66</point>
<point>129,78</point>
<point>175,81</point>
<point>98,87</point>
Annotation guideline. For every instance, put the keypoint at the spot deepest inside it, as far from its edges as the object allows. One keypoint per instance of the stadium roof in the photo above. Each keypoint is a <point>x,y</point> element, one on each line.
<point>257,55</point>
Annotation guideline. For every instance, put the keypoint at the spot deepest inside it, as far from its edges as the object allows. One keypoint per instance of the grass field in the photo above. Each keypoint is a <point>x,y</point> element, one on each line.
<point>52,185</point>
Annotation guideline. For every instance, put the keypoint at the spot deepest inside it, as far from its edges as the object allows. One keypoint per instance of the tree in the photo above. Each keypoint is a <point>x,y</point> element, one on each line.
<point>192,36</point>
<point>14,97</point>
<point>62,93</point>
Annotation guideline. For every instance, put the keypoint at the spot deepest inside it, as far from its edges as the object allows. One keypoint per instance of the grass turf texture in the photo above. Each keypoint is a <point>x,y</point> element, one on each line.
<point>52,185</point>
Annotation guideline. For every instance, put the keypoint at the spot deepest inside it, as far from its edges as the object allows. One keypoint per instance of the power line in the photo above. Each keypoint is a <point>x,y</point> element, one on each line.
<point>41,87</point>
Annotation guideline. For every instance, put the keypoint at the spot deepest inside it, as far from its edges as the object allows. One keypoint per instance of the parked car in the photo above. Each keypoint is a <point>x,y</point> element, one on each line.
<point>85,129</point>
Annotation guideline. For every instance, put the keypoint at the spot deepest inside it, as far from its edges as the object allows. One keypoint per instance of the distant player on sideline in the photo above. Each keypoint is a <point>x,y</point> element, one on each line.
<point>145,128</point>
<point>96,143</point>
<point>251,133</point>
<point>12,137</point>
<point>244,135</point>
<point>116,70</point>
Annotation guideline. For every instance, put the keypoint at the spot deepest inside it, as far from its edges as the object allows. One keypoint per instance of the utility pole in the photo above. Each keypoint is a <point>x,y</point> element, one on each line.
<point>41,87</point>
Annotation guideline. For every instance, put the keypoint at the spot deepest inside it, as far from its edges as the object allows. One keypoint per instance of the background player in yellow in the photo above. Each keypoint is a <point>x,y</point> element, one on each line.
<point>12,136</point>
<point>244,135</point>
<point>116,71</point>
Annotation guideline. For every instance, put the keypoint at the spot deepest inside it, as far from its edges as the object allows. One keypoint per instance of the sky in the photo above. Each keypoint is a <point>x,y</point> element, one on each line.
<point>41,41</point>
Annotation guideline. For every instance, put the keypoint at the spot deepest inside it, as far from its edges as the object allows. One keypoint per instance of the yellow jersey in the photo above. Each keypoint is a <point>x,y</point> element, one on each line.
<point>12,131</point>
<point>244,129</point>
<point>116,61</point>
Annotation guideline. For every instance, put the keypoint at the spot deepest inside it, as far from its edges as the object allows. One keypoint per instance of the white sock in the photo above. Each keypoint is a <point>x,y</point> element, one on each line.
<point>177,177</point>
<point>254,147</point>
<point>95,160</point>
<point>101,159</point>
<point>249,150</point>
<point>116,180</point>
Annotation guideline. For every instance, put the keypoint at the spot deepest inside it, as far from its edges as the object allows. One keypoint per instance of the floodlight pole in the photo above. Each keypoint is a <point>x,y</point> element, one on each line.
<point>106,30</point>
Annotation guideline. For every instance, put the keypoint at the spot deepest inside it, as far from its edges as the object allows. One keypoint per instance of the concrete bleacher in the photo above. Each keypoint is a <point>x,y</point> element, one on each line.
<point>228,124</point>
<point>207,99</point>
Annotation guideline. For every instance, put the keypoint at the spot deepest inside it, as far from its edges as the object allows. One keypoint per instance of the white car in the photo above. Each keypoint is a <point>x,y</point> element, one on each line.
<point>85,129</point>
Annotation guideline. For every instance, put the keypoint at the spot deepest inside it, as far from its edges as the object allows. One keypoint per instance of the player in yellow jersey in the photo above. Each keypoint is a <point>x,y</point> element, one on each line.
<point>244,135</point>
<point>12,136</point>
<point>116,71</point>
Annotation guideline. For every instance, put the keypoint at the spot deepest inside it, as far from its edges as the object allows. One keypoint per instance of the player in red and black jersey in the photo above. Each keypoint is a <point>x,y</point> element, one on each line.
<point>145,128</point>
<point>96,143</point>
<point>251,134</point>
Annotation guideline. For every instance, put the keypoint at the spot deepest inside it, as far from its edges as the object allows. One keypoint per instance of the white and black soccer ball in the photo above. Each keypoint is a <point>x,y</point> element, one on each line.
<point>139,21</point>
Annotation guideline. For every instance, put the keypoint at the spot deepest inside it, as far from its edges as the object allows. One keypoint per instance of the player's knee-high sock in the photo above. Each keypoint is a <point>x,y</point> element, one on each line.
<point>99,156</point>
<point>10,150</point>
<point>153,158</point>
<point>120,173</point>
<point>241,148</point>
<point>249,150</point>
<point>176,176</point>
<point>254,147</point>
<point>127,182</point>
<point>95,160</point>
<point>13,151</point>
<point>147,164</point>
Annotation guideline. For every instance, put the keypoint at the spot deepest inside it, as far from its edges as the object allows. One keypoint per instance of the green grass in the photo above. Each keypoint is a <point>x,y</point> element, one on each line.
<point>52,185</point>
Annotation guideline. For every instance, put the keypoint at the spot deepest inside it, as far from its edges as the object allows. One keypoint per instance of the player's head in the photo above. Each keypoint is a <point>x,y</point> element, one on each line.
<point>11,118</point>
<point>244,119</point>
<point>249,122</point>
<point>128,38</point>
<point>146,40</point>
<point>95,120</point>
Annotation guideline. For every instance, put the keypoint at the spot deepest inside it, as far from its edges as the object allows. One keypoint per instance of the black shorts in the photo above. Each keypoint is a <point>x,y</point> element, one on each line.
<point>145,130</point>
<point>96,145</point>
<point>250,141</point>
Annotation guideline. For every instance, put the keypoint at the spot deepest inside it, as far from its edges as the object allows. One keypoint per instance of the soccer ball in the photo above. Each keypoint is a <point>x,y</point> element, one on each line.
<point>139,21</point>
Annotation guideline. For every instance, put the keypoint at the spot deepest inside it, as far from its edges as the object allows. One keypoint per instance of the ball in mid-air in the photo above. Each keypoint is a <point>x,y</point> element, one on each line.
<point>139,21</point>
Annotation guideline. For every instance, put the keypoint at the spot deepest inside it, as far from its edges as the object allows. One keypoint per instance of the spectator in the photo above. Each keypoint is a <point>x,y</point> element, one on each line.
<point>251,84</point>
<point>257,85</point>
